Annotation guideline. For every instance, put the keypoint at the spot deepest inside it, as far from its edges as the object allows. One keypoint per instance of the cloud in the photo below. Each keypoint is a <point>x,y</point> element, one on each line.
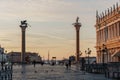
<point>44,36</point>
<point>5,40</point>
<point>42,10</point>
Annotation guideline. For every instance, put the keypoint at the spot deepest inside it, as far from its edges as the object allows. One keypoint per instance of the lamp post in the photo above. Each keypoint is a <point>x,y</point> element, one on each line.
<point>88,52</point>
<point>2,60</point>
<point>104,50</point>
<point>6,56</point>
<point>100,59</point>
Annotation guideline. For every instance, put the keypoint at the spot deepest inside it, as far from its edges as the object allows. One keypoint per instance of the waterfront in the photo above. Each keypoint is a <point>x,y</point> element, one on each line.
<point>56,72</point>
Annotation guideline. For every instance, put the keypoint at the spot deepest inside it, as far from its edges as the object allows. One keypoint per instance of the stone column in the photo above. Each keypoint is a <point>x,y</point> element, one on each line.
<point>102,35</point>
<point>77,26</point>
<point>23,28</point>
<point>111,31</point>
<point>117,28</point>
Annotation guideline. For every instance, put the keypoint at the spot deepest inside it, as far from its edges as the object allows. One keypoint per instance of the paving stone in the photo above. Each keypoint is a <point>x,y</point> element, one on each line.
<point>47,72</point>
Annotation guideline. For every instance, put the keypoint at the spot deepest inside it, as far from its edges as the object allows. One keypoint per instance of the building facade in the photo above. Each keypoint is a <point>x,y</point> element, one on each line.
<point>29,57</point>
<point>108,35</point>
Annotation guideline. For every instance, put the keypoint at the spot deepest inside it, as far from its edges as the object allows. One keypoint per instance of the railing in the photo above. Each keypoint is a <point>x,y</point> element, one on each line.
<point>113,70</point>
<point>6,72</point>
<point>95,68</point>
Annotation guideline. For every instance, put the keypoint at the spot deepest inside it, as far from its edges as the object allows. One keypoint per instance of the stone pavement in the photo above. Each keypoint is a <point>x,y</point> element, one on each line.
<point>56,72</point>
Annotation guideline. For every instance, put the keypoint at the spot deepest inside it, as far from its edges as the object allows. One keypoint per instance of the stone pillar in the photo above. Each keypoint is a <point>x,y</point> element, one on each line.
<point>102,36</point>
<point>114,30</point>
<point>117,28</point>
<point>23,28</point>
<point>99,37</point>
<point>23,45</point>
<point>77,43</point>
<point>77,26</point>
<point>108,32</point>
<point>111,31</point>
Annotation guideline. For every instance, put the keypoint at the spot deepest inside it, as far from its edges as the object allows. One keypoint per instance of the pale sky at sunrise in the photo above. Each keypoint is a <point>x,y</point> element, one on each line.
<point>51,25</point>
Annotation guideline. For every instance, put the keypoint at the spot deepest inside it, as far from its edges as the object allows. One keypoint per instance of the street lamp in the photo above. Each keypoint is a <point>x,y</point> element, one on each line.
<point>104,50</point>
<point>2,60</point>
<point>88,52</point>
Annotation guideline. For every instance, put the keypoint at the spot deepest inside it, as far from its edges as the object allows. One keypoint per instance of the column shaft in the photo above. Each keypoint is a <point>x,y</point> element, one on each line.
<point>77,44</point>
<point>23,45</point>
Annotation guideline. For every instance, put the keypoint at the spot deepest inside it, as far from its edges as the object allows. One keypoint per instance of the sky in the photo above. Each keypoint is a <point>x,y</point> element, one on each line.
<point>51,25</point>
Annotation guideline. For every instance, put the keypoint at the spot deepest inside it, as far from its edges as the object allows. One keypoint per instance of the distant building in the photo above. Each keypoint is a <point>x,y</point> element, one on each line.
<point>16,57</point>
<point>108,35</point>
<point>3,56</point>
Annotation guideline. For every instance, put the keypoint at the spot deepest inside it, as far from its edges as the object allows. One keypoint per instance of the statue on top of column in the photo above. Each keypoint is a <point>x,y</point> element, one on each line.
<point>77,19</point>
<point>24,23</point>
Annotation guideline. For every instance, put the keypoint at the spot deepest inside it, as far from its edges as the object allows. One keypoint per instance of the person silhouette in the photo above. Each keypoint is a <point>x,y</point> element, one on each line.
<point>69,63</point>
<point>34,63</point>
<point>66,64</point>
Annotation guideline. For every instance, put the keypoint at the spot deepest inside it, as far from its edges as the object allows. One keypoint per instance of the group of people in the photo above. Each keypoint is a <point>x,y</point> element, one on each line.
<point>67,64</point>
<point>34,63</point>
